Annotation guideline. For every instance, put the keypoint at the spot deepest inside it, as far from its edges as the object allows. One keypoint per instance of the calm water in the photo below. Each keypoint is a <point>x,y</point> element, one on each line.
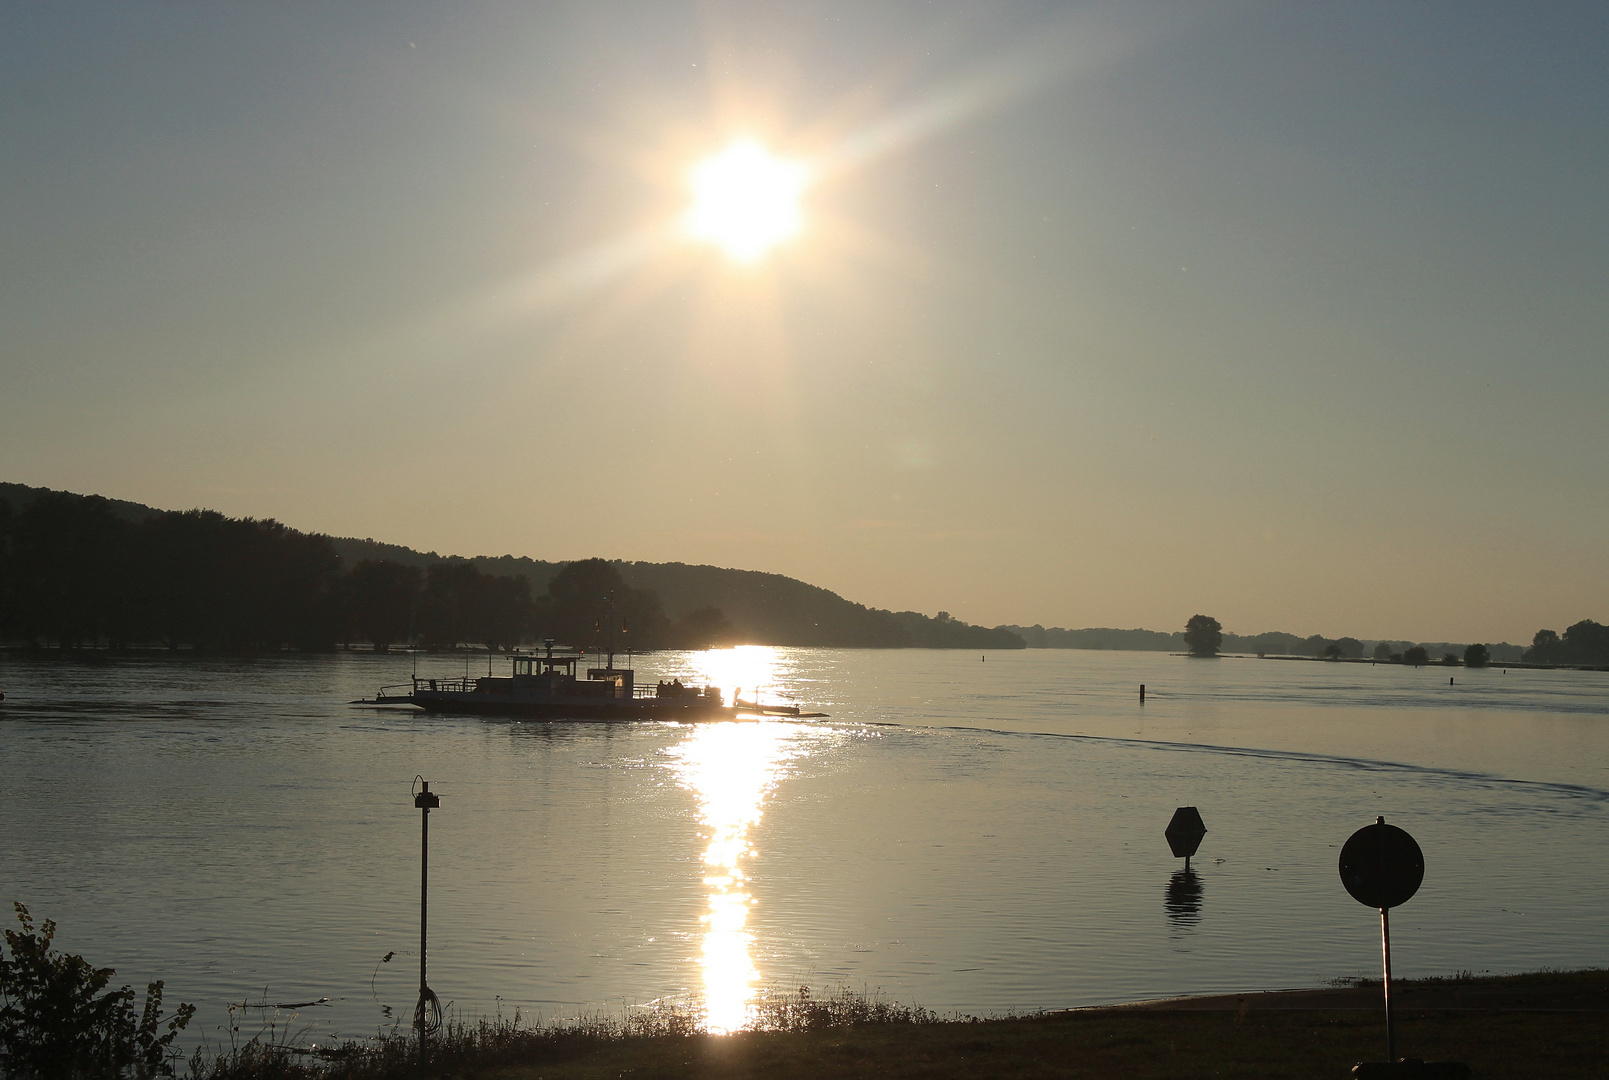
<point>967,835</point>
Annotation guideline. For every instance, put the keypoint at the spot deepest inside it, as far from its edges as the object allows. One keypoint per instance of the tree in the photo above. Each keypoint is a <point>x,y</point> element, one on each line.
<point>1350,647</point>
<point>1382,650</point>
<point>1417,656</point>
<point>591,606</point>
<point>1586,643</point>
<point>68,567</point>
<point>1477,656</point>
<point>380,600</point>
<point>1332,651</point>
<point>1204,635</point>
<point>448,607</point>
<point>1546,648</point>
<point>504,613</point>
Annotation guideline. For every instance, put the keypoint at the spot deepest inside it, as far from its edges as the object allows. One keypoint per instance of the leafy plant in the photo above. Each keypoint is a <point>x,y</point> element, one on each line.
<point>59,1022</point>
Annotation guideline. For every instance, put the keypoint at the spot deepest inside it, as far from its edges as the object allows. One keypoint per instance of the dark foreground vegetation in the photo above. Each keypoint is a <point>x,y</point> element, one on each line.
<point>799,1036</point>
<point>80,571</point>
<point>57,1022</point>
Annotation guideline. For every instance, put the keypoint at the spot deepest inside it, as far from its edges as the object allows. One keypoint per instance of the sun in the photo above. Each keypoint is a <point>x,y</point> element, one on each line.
<point>745,200</point>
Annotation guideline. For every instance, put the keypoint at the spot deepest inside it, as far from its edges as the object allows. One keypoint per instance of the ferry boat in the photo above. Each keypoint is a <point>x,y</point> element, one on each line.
<point>546,687</point>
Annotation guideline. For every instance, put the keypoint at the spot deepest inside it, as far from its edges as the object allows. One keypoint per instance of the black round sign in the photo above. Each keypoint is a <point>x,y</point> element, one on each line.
<point>1382,866</point>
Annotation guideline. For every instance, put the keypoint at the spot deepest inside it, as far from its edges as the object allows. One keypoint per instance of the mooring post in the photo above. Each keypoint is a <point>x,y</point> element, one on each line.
<point>1142,693</point>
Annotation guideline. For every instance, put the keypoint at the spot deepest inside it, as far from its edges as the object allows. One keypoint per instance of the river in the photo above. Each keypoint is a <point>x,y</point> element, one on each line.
<point>965,833</point>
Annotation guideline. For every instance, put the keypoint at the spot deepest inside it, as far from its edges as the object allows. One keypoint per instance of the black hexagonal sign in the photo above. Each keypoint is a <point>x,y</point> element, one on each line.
<point>1185,831</point>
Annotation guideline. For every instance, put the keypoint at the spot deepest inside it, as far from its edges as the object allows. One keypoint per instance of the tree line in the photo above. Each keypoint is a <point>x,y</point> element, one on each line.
<point>1585,644</point>
<point>79,571</point>
<point>73,573</point>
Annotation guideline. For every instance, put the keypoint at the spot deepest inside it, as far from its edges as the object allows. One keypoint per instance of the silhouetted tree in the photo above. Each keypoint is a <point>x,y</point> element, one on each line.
<point>1203,635</point>
<point>503,611</point>
<point>1332,651</point>
<point>447,608</point>
<point>1417,656</point>
<point>380,600</point>
<point>8,599</point>
<point>69,565</point>
<point>1382,650</point>
<point>590,606</point>
<point>1546,648</point>
<point>1586,643</point>
<point>1350,647</point>
<point>1476,656</point>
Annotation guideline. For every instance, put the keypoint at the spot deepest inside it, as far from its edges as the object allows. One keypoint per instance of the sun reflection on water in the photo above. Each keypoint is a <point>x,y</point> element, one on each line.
<point>732,768</point>
<point>750,668</point>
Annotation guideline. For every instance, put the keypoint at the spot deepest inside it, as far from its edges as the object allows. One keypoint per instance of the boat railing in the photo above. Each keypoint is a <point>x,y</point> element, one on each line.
<point>447,686</point>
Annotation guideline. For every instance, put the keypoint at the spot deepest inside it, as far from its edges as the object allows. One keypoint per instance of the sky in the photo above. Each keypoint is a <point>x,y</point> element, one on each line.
<point>1097,315</point>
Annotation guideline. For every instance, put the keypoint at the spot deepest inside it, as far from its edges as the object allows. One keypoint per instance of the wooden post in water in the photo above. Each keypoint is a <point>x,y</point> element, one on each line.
<point>1142,693</point>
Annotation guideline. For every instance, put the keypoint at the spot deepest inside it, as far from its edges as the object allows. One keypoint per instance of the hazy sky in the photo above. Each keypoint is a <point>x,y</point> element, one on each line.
<point>1290,314</point>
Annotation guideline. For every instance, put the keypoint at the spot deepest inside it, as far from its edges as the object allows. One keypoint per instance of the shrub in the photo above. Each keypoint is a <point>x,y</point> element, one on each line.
<point>57,1024</point>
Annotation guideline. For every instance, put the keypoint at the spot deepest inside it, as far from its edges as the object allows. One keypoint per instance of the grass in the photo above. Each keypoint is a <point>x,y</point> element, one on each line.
<point>853,1036</point>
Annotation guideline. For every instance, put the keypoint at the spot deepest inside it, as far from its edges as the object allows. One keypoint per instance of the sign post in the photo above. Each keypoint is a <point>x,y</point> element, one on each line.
<point>1382,867</point>
<point>1184,833</point>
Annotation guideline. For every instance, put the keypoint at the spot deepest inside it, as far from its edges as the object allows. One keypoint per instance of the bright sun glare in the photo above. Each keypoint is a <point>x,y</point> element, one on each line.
<point>745,200</point>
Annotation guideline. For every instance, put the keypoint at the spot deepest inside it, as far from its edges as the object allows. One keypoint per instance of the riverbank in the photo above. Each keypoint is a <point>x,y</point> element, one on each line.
<point>1545,1024</point>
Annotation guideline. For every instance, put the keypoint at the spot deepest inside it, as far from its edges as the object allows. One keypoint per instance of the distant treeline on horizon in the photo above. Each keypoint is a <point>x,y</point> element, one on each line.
<point>1273,643</point>
<point>82,570</point>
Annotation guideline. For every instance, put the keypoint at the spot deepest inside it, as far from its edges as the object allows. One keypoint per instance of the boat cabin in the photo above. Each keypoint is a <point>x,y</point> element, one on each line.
<point>554,675</point>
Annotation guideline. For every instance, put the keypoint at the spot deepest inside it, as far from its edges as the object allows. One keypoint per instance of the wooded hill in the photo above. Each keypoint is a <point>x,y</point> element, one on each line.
<point>82,569</point>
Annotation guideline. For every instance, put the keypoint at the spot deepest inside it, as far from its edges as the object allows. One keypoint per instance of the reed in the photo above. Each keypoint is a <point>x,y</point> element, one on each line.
<point>490,1043</point>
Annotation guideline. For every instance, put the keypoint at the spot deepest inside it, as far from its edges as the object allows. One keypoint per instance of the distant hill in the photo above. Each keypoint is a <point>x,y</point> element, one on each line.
<point>777,610</point>
<point>20,496</point>
<point>759,607</point>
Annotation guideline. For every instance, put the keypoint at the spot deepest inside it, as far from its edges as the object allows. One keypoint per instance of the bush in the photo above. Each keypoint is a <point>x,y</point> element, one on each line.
<point>57,1024</point>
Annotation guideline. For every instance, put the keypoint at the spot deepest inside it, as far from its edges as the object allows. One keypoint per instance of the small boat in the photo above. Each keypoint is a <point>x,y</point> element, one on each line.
<point>546,687</point>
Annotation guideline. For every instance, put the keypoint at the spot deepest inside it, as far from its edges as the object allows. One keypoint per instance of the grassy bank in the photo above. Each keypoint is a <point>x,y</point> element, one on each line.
<point>1255,1036</point>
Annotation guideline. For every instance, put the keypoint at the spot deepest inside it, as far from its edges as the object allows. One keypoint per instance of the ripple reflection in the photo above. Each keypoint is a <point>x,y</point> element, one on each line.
<point>1183,901</point>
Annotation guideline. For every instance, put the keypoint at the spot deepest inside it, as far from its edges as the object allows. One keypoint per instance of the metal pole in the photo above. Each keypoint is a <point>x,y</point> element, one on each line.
<point>1385,949</point>
<point>424,892</point>
<point>424,936</point>
<point>425,801</point>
